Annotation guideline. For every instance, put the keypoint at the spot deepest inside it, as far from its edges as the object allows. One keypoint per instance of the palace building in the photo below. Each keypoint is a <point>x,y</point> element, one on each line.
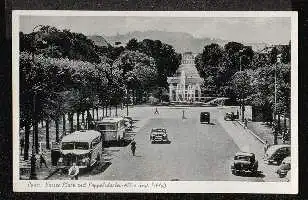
<point>185,85</point>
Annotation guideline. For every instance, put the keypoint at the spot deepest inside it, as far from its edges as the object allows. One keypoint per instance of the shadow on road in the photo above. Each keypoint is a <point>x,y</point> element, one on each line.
<point>258,174</point>
<point>211,123</point>
<point>117,144</point>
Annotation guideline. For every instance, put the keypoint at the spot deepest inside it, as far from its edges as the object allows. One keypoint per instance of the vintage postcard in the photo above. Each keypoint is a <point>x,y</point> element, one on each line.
<point>194,102</point>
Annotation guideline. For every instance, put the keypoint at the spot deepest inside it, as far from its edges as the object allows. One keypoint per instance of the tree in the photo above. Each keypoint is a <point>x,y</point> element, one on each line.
<point>241,86</point>
<point>138,71</point>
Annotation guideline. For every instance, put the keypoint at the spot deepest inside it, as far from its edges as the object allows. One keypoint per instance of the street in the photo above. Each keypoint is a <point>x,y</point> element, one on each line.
<point>198,152</point>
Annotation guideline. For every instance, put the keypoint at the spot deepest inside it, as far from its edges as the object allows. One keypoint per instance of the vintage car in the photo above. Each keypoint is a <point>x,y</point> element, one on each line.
<point>159,135</point>
<point>244,162</point>
<point>230,116</point>
<point>276,153</point>
<point>284,167</point>
<point>204,117</point>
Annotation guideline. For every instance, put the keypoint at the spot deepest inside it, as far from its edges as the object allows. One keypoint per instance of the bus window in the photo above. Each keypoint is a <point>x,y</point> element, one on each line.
<point>68,145</point>
<point>81,145</point>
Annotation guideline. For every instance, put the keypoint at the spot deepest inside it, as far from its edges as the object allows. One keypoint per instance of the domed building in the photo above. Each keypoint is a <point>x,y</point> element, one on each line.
<point>185,85</point>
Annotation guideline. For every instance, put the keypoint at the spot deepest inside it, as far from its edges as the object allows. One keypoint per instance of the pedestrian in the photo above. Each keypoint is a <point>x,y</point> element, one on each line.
<point>22,145</point>
<point>133,147</point>
<point>183,114</point>
<point>266,146</point>
<point>73,172</point>
<point>246,122</point>
<point>43,159</point>
<point>156,111</point>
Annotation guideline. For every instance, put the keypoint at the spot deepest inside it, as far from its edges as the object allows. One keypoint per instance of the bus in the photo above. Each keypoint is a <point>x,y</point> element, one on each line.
<point>112,129</point>
<point>82,147</point>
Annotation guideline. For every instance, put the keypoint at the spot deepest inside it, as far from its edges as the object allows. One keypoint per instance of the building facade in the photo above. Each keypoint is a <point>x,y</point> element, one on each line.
<point>185,85</point>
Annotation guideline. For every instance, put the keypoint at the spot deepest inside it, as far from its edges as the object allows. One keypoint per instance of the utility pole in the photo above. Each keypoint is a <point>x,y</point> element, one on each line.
<point>242,98</point>
<point>276,128</point>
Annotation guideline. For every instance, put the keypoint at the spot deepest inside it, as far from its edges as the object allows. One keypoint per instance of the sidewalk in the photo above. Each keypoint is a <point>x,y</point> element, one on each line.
<point>261,131</point>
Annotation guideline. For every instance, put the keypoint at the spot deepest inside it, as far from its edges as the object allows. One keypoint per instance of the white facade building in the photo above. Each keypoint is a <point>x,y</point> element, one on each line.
<point>185,85</point>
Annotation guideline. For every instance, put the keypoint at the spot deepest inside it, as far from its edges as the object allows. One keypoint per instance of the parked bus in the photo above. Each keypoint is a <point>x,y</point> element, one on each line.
<point>83,147</point>
<point>112,129</point>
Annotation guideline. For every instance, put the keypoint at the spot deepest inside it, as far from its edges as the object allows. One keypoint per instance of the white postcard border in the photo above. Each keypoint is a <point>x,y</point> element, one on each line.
<point>156,186</point>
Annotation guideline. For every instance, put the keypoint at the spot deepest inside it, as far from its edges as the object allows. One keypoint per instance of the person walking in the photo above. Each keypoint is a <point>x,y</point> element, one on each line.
<point>73,172</point>
<point>43,159</point>
<point>22,145</point>
<point>183,114</point>
<point>156,111</point>
<point>133,147</point>
<point>266,146</point>
<point>246,122</point>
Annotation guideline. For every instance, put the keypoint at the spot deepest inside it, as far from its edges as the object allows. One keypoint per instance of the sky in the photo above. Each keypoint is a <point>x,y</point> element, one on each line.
<point>271,30</point>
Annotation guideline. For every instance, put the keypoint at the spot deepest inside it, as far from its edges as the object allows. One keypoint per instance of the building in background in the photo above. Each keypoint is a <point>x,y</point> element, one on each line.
<point>185,85</point>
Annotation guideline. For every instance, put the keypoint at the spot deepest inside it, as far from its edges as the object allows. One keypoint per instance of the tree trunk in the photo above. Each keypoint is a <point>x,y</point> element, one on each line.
<point>106,109</point>
<point>285,122</point>
<point>93,113</point>
<point>36,139</point>
<point>243,112</point>
<point>116,110</point>
<point>57,129</point>
<point>78,125</point>
<point>97,113</point>
<point>27,142</point>
<point>88,119</point>
<point>110,110</point>
<point>47,134</point>
<point>278,123</point>
<point>64,125</point>
<point>82,115</point>
<point>71,121</point>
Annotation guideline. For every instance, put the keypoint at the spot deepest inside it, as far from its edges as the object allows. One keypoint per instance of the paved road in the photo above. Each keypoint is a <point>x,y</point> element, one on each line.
<point>200,152</point>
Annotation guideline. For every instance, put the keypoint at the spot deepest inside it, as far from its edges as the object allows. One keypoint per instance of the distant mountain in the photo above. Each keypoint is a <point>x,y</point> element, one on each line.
<point>182,42</point>
<point>99,40</point>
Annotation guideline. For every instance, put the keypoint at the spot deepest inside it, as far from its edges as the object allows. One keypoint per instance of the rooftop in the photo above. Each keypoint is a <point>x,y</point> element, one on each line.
<point>81,136</point>
<point>111,119</point>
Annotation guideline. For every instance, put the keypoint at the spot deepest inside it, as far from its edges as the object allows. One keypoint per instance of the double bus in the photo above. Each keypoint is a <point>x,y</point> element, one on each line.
<point>112,129</point>
<point>82,147</point>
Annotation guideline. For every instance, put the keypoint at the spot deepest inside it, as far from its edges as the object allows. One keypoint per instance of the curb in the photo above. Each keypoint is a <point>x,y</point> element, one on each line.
<point>256,136</point>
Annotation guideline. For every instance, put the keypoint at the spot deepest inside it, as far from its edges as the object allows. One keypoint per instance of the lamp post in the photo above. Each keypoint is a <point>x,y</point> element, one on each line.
<point>276,128</point>
<point>242,99</point>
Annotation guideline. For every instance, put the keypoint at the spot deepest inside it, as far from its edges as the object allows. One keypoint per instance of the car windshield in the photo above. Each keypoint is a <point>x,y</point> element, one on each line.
<point>68,145</point>
<point>158,132</point>
<point>243,158</point>
<point>81,145</point>
<point>106,127</point>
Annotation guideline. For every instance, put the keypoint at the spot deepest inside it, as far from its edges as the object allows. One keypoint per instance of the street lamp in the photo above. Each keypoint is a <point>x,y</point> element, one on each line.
<point>242,99</point>
<point>276,128</point>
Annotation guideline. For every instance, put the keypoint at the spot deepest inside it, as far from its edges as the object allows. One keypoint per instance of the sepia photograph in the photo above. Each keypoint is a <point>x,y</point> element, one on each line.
<point>155,101</point>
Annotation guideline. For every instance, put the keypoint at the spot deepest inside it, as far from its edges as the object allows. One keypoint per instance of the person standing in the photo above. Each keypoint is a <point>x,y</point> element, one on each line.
<point>246,122</point>
<point>156,111</point>
<point>183,114</point>
<point>73,172</point>
<point>43,159</point>
<point>266,146</point>
<point>133,147</point>
<point>22,145</point>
